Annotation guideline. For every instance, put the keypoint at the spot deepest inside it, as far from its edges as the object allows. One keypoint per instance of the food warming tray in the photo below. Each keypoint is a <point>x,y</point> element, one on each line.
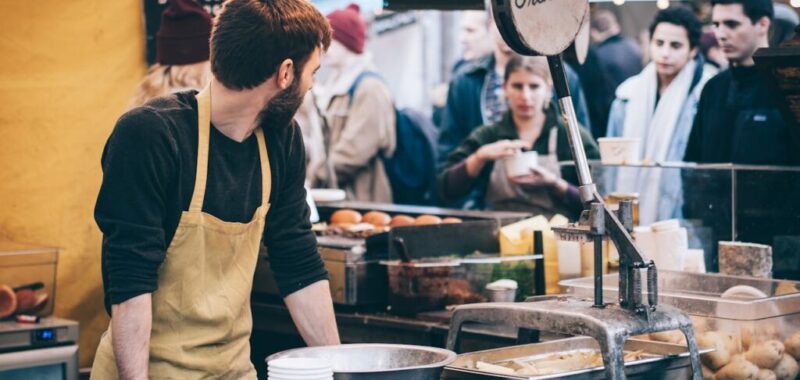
<point>659,361</point>
<point>356,277</point>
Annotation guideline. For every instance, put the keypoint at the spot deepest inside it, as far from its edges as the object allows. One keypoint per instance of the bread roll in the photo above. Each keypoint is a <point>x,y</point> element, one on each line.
<point>451,220</point>
<point>8,301</point>
<point>427,219</point>
<point>377,218</point>
<point>401,220</point>
<point>346,216</point>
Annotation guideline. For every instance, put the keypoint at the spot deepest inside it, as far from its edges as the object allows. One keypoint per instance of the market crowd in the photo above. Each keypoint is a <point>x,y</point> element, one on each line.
<point>688,90</point>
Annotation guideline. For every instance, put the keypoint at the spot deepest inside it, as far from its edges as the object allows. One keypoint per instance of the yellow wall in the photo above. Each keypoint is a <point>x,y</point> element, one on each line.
<point>67,69</point>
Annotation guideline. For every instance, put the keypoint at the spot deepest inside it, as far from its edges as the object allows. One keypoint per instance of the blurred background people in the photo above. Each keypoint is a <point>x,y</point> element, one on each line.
<point>358,113</point>
<point>530,123</point>
<point>476,43</point>
<point>620,57</point>
<point>737,118</point>
<point>598,89</point>
<point>657,106</point>
<point>181,53</point>
<point>475,96</point>
<point>711,51</point>
<point>783,24</point>
<point>310,122</point>
<point>476,39</point>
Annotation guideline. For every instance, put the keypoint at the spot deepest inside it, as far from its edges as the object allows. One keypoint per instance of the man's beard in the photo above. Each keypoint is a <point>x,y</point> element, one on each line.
<point>280,110</point>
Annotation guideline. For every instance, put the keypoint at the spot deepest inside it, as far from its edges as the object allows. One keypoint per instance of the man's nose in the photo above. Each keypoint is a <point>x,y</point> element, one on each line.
<point>721,33</point>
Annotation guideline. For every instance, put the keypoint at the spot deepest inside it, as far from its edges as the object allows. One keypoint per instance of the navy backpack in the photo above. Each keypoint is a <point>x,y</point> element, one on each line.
<point>412,167</point>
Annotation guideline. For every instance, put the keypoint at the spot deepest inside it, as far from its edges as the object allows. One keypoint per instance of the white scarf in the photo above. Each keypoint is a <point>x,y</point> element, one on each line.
<point>655,129</point>
<point>654,125</point>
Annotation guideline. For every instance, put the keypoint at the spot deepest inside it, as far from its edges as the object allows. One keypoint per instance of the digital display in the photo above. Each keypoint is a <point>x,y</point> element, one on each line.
<point>45,335</point>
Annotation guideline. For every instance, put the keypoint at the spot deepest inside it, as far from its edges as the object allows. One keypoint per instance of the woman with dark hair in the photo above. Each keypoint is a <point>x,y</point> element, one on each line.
<point>658,106</point>
<point>531,123</point>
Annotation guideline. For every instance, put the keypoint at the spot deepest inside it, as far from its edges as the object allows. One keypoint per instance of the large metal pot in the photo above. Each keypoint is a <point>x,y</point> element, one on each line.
<point>378,361</point>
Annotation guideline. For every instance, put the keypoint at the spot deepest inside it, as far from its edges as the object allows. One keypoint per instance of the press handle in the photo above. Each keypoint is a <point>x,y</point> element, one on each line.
<point>652,285</point>
<point>495,313</point>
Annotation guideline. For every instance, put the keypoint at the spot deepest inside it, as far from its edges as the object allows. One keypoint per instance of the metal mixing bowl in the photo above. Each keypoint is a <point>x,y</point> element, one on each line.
<point>378,361</point>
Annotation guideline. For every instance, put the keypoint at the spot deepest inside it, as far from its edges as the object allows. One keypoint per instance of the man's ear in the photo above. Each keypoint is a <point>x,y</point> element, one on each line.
<point>285,74</point>
<point>693,52</point>
<point>763,24</point>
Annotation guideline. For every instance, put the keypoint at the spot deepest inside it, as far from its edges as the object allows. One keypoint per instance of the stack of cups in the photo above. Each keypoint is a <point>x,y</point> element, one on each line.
<point>300,369</point>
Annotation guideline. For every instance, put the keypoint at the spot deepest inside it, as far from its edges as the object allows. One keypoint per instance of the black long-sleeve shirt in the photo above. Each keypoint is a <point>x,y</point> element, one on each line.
<point>149,164</point>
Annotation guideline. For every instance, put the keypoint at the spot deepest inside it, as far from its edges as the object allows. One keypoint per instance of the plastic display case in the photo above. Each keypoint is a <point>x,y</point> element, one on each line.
<point>30,271</point>
<point>716,202</point>
<point>748,310</point>
<point>435,283</point>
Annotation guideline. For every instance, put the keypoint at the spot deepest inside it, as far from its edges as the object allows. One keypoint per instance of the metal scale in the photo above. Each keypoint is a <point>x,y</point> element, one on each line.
<point>549,28</point>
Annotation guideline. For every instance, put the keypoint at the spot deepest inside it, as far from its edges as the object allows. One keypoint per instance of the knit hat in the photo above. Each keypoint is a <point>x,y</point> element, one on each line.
<point>183,35</point>
<point>349,28</point>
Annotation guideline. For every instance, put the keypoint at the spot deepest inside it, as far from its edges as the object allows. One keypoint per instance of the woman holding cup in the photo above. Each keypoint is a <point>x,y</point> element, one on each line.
<point>512,165</point>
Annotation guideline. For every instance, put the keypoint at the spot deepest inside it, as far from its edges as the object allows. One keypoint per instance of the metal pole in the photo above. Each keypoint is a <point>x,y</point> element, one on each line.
<point>587,188</point>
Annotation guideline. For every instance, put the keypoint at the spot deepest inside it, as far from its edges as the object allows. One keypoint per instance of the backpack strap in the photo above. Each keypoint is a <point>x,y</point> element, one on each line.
<point>352,91</point>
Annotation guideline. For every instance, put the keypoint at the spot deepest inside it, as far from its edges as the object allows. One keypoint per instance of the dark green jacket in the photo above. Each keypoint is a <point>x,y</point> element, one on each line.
<point>505,130</point>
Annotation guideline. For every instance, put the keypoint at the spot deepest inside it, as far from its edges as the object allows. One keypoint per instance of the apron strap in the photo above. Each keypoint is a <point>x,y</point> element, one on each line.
<point>266,171</point>
<point>203,133</point>
<point>552,141</point>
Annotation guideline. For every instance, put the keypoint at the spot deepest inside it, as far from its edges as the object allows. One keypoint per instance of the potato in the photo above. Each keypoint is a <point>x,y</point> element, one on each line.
<point>786,369</point>
<point>747,337</point>
<point>707,374</point>
<point>751,335</point>
<point>765,374</point>
<point>700,324</point>
<point>732,342</point>
<point>720,356</point>
<point>792,344</point>
<point>674,337</point>
<point>765,355</point>
<point>738,370</point>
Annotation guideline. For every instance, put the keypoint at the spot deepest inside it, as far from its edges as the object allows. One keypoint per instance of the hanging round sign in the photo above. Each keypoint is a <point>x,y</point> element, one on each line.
<point>539,27</point>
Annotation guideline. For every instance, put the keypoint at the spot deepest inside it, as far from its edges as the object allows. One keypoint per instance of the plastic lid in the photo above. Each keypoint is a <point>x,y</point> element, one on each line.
<point>503,284</point>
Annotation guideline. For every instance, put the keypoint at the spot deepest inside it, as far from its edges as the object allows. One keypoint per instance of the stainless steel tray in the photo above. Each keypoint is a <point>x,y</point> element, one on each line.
<point>660,361</point>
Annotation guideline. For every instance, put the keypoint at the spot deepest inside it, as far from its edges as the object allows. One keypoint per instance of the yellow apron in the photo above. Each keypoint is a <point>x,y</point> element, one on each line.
<point>201,310</point>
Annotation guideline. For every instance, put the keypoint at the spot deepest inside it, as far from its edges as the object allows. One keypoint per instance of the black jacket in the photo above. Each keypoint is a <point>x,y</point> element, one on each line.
<point>738,121</point>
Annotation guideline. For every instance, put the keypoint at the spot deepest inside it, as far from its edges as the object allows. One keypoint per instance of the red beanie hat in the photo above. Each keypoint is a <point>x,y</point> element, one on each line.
<point>349,28</point>
<point>183,35</point>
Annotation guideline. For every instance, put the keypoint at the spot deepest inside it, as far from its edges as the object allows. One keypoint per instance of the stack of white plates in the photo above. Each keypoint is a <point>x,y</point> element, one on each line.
<point>300,369</point>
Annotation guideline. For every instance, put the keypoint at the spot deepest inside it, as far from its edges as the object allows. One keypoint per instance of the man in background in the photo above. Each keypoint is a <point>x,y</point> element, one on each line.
<point>737,118</point>
<point>620,57</point>
<point>358,113</point>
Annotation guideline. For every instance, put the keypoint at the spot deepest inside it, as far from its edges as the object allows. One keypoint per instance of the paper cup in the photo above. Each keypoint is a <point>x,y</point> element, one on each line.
<point>619,150</point>
<point>521,164</point>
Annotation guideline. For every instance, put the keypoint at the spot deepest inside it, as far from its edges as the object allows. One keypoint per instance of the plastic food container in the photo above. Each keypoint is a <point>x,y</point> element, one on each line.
<point>746,310</point>
<point>30,271</point>
<point>433,284</point>
<point>619,150</point>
